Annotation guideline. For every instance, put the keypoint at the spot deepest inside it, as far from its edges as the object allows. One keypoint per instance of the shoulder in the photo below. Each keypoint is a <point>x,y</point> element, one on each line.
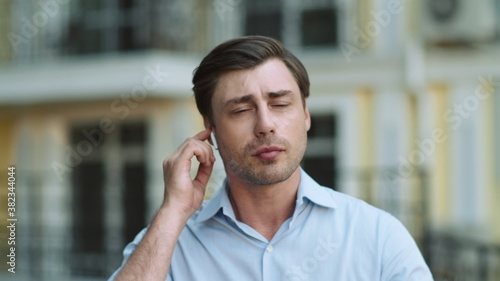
<point>359,219</point>
<point>353,207</point>
<point>342,209</point>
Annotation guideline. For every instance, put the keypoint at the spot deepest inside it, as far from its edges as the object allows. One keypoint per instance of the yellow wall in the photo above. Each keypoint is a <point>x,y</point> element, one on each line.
<point>490,143</point>
<point>496,143</point>
<point>415,181</point>
<point>6,159</point>
<point>439,192</point>
<point>366,144</point>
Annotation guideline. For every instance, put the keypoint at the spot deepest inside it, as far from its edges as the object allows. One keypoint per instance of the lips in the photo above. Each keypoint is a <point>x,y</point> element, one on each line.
<point>268,153</point>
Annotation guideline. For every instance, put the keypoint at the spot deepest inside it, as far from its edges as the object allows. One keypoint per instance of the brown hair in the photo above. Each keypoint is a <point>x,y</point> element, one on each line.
<point>237,54</point>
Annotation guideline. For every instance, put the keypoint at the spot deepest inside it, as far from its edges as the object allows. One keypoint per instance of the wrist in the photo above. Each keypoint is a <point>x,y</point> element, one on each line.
<point>172,217</point>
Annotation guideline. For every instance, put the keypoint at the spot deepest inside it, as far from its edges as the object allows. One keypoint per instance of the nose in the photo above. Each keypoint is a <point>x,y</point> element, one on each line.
<point>265,123</point>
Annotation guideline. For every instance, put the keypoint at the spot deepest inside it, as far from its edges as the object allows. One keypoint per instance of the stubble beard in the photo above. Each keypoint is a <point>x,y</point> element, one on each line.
<point>263,172</point>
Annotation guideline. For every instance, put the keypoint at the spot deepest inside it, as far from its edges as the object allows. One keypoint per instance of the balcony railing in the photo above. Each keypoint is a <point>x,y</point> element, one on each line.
<point>452,258</point>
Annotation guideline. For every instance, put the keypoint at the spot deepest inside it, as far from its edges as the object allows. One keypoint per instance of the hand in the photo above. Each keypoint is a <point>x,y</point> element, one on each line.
<point>183,194</point>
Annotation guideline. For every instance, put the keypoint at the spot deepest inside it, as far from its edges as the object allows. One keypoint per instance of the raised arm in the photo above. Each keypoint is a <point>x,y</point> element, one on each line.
<point>183,196</point>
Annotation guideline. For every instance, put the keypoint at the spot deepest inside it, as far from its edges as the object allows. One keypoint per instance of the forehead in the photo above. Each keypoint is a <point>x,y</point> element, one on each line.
<point>270,76</point>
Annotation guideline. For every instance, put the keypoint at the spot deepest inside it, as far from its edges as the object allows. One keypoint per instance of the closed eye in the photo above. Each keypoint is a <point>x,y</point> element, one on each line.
<point>280,104</point>
<point>241,110</point>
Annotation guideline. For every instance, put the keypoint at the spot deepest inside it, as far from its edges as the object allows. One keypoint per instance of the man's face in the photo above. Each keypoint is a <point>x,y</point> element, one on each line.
<point>260,123</point>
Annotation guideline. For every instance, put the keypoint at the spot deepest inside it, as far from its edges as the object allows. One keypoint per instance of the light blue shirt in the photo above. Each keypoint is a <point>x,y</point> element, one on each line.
<point>330,236</point>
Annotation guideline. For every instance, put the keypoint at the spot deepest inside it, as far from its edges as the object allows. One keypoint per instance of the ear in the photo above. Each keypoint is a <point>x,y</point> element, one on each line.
<point>307,118</point>
<point>206,123</point>
<point>208,126</point>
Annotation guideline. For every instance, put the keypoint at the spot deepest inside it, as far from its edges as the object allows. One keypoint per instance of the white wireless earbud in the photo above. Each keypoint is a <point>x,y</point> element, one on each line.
<point>214,141</point>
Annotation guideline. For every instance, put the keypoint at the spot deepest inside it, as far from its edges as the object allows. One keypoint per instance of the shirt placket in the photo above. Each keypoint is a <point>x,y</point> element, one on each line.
<point>267,263</point>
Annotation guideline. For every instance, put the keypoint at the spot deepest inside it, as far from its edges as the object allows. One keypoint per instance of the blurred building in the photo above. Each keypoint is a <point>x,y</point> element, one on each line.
<point>95,94</point>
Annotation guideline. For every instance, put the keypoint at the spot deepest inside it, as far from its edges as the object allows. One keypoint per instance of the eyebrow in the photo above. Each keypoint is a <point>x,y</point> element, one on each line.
<point>279,93</point>
<point>248,98</point>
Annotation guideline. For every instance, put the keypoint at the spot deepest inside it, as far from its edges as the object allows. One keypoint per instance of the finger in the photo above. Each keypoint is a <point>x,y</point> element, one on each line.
<point>205,154</point>
<point>201,150</point>
<point>203,175</point>
<point>203,135</point>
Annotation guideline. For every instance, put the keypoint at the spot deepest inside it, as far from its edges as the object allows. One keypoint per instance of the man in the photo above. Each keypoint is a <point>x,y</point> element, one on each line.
<point>269,220</point>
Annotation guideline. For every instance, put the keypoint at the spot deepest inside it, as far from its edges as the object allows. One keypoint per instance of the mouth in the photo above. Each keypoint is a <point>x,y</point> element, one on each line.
<point>268,153</point>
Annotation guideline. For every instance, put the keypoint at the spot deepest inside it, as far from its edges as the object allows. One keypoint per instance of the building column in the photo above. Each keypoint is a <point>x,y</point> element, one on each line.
<point>439,170</point>
<point>366,144</point>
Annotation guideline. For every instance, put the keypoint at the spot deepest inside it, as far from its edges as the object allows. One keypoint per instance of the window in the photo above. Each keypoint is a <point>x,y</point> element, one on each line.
<point>319,27</point>
<point>322,126</point>
<point>320,161</point>
<point>104,25</point>
<point>312,23</point>
<point>134,203</point>
<point>132,141</point>
<point>264,18</point>
<point>109,194</point>
<point>99,26</point>
<point>88,205</point>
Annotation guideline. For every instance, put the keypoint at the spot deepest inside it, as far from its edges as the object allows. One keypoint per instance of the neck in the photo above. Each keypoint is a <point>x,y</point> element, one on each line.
<point>264,208</point>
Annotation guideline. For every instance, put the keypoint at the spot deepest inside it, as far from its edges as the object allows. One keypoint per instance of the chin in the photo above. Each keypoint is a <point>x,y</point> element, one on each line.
<point>267,175</point>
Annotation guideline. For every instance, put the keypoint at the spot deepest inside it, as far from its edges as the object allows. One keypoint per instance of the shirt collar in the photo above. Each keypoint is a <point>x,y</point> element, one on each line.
<point>212,206</point>
<point>308,189</point>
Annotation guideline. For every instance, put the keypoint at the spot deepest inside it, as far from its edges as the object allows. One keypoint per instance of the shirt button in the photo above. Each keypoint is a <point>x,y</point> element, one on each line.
<point>269,248</point>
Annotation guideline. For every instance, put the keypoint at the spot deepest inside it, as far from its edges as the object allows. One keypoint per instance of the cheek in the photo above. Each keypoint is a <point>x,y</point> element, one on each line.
<point>289,125</point>
<point>294,121</point>
<point>233,136</point>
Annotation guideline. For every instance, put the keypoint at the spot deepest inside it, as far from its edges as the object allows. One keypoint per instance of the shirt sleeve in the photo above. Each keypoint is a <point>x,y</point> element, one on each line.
<point>129,249</point>
<point>401,258</point>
